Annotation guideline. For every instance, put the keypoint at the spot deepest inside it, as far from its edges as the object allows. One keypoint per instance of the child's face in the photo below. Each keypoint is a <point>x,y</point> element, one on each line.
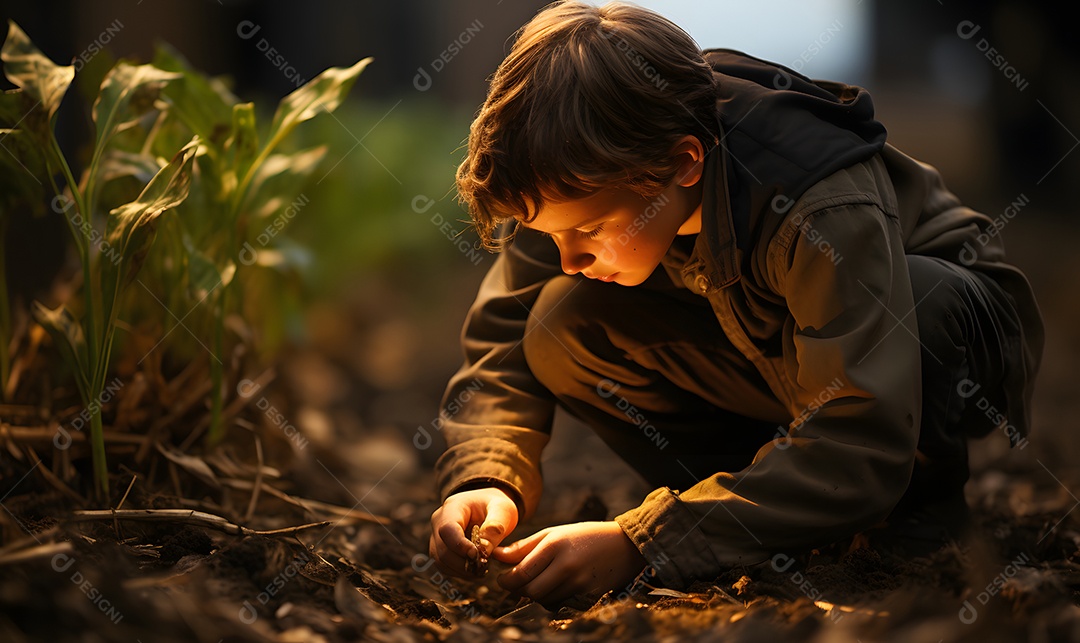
<point>616,234</point>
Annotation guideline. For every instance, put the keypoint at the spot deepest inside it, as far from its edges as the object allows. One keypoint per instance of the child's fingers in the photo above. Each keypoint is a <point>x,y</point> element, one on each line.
<point>535,564</point>
<point>516,551</point>
<point>550,586</point>
<point>452,536</point>
<point>500,520</point>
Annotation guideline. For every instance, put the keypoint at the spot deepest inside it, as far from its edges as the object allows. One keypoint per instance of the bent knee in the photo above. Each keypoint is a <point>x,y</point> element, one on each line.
<point>943,295</point>
<point>563,325</point>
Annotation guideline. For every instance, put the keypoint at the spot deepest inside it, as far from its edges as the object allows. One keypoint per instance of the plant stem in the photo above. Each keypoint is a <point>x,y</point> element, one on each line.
<point>71,225</point>
<point>97,448</point>
<point>84,256</point>
<point>94,357</point>
<point>101,370</point>
<point>245,183</point>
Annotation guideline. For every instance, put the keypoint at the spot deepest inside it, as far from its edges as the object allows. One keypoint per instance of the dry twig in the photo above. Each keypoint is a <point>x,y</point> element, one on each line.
<point>51,478</point>
<point>190,517</point>
<point>309,505</point>
<point>33,553</point>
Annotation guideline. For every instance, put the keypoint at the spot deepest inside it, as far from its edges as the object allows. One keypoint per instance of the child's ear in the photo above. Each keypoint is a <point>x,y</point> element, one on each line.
<point>690,154</point>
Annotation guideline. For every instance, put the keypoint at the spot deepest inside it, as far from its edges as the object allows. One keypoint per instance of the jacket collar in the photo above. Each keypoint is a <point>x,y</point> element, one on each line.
<point>713,263</point>
<point>778,134</point>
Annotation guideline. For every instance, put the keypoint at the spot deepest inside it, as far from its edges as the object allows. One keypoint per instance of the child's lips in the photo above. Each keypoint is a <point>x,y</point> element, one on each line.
<point>607,278</point>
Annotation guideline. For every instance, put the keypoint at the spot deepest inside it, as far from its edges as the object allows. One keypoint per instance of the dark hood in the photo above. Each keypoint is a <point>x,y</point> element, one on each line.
<point>784,132</point>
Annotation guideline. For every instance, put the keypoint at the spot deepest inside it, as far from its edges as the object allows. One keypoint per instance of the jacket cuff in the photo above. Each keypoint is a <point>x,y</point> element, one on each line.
<point>492,483</point>
<point>666,533</point>
<point>490,462</point>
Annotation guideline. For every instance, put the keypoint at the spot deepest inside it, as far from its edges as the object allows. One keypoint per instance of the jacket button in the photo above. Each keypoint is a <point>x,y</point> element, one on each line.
<point>702,283</point>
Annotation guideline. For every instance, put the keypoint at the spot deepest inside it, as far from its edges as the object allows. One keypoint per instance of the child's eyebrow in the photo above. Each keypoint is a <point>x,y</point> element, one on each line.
<point>548,234</point>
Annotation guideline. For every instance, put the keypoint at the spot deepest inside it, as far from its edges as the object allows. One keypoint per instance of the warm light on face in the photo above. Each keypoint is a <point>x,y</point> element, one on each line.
<point>615,234</point>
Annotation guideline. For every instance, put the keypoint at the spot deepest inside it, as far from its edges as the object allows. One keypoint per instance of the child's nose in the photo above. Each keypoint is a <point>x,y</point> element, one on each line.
<point>575,262</point>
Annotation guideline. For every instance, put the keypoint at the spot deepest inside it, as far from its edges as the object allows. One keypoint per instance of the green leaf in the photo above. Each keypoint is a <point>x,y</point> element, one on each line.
<point>28,68</point>
<point>11,108</point>
<point>325,92</point>
<point>22,151</point>
<point>119,164</point>
<point>22,168</point>
<point>128,92</point>
<point>131,227</point>
<point>280,180</point>
<point>67,335</point>
<point>203,274</point>
<point>242,146</point>
<point>167,189</point>
<point>203,104</point>
<point>20,112</point>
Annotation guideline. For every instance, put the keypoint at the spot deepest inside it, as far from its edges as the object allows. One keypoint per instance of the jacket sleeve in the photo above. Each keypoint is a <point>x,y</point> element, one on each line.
<point>854,369</point>
<point>495,416</point>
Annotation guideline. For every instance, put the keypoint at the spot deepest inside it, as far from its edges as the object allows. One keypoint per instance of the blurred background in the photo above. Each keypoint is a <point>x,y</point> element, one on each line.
<point>985,91</point>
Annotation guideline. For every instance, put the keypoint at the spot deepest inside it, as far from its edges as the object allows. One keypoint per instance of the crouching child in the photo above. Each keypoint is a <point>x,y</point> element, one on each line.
<point>800,311</point>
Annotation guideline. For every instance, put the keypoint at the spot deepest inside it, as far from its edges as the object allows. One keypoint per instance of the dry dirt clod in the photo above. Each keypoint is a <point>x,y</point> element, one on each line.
<point>477,566</point>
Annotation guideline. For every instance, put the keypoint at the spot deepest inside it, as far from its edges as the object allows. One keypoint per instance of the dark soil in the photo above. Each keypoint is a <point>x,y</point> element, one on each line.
<point>1016,578</point>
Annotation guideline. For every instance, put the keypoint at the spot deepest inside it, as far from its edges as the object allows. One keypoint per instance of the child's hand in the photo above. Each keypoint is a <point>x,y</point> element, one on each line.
<point>580,558</point>
<point>451,544</point>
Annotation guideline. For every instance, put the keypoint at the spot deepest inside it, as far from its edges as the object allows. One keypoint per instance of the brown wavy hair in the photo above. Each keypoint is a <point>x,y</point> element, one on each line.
<point>588,98</point>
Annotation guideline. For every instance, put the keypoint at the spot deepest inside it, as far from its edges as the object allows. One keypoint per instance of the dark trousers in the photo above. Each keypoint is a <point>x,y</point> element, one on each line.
<point>650,367</point>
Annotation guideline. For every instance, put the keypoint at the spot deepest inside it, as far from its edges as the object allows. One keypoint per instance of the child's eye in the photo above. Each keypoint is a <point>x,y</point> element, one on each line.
<point>594,233</point>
